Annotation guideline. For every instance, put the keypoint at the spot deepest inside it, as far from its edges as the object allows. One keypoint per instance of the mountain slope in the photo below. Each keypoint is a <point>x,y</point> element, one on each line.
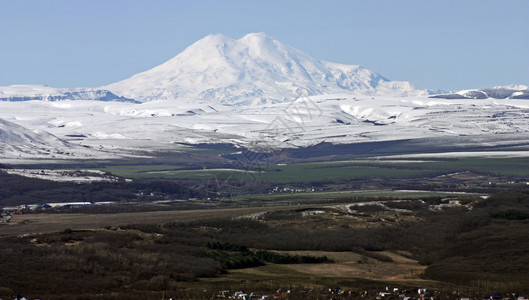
<point>253,69</point>
<point>18,142</point>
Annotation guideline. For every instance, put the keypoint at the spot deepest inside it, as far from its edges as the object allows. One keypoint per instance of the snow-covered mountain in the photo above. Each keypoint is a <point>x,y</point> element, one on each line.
<point>498,92</point>
<point>253,69</point>
<point>349,104</point>
<point>46,93</point>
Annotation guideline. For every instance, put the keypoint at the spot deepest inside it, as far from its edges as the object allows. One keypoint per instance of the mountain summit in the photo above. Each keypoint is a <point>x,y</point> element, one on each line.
<point>254,69</point>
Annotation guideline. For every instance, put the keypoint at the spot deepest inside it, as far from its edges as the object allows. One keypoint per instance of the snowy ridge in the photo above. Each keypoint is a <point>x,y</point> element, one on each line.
<point>46,93</point>
<point>254,69</point>
<point>497,92</point>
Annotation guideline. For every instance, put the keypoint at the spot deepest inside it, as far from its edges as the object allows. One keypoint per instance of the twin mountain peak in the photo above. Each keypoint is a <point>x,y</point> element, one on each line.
<point>254,69</point>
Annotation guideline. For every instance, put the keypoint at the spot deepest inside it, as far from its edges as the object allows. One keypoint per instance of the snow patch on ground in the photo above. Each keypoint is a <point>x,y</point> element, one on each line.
<point>448,203</point>
<point>308,213</point>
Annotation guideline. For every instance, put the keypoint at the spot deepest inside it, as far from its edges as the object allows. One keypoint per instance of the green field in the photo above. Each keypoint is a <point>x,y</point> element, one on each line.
<point>329,171</point>
<point>511,166</point>
<point>139,171</point>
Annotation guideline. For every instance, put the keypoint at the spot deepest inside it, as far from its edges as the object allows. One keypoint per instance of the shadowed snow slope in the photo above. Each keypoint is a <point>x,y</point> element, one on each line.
<point>18,142</point>
<point>255,69</point>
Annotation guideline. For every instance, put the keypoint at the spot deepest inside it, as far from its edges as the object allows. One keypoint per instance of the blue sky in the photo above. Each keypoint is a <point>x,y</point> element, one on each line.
<point>435,44</point>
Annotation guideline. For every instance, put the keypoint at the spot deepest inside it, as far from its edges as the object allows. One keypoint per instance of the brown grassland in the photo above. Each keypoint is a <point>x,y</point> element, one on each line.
<point>474,248</point>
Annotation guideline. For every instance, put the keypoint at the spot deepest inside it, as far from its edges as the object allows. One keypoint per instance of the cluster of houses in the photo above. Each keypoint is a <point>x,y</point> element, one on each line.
<point>288,189</point>
<point>338,293</point>
<point>20,209</point>
<point>9,211</point>
<point>279,294</point>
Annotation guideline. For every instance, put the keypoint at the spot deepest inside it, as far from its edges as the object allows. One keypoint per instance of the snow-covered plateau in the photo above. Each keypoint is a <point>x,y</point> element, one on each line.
<point>254,92</point>
<point>90,128</point>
